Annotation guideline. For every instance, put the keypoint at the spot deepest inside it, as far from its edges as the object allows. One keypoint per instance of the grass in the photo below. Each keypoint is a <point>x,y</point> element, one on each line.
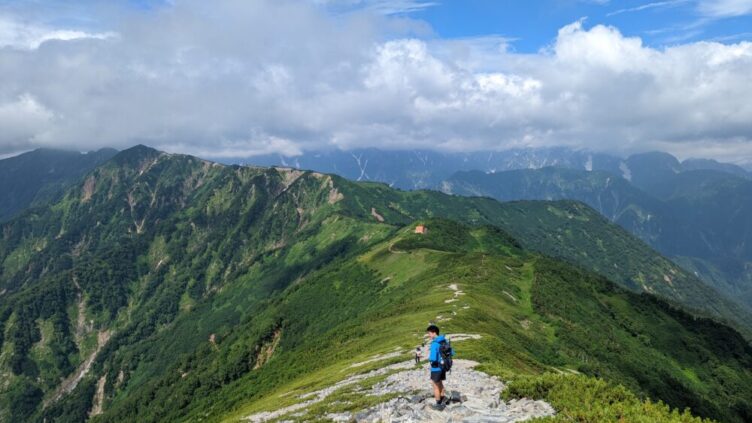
<point>577,398</point>
<point>350,398</point>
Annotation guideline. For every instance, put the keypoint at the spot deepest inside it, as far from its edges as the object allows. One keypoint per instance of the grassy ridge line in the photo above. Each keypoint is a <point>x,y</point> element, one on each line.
<point>568,230</point>
<point>689,216</point>
<point>525,330</point>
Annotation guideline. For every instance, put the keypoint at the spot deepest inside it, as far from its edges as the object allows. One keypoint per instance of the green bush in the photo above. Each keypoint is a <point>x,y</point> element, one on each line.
<point>585,399</point>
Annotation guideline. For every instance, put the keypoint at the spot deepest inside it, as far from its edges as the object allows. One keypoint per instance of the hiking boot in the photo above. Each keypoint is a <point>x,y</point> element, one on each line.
<point>438,407</point>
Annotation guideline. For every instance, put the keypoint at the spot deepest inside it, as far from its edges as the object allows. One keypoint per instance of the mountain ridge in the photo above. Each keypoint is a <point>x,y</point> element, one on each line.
<point>196,268</point>
<point>699,218</point>
<point>38,176</point>
<point>426,169</point>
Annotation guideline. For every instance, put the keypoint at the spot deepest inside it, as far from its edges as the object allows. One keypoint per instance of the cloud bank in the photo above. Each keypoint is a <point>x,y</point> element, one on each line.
<point>236,78</point>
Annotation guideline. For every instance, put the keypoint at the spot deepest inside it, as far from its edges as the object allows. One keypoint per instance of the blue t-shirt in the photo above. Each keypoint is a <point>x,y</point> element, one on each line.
<point>433,357</point>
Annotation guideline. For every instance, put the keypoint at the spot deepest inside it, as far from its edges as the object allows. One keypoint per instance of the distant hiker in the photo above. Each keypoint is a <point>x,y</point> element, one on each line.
<point>440,357</point>
<point>417,355</point>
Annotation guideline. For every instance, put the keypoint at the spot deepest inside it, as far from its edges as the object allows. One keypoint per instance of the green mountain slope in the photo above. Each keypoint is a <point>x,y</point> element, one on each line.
<point>612,196</point>
<point>533,314</point>
<point>712,209</point>
<point>567,230</point>
<point>181,289</point>
<point>37,176</point>
<point>701,220</point>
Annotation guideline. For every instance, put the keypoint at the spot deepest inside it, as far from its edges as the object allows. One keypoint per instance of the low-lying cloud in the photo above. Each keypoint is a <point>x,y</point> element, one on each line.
<point>241,78</point>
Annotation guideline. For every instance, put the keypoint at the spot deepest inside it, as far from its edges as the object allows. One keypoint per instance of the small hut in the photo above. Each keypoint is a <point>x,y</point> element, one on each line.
<point>421,229</point>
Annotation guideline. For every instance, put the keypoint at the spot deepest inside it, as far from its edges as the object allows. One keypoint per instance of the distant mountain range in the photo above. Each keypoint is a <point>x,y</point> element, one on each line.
<point>39,175</point>
<point>424,169</point>
<point>162,288</point>
<point>698,212</point>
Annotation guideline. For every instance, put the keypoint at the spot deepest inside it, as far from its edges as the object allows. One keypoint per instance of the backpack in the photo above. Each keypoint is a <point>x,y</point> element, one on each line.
<point>446,353</point>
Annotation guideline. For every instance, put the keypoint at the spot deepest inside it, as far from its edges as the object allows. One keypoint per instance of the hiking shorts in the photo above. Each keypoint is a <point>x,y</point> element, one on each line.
<point>438,375</point>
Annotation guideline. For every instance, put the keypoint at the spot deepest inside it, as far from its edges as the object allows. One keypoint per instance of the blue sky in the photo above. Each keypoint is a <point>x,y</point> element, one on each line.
<point>244,77</point>
<point>534,24</point>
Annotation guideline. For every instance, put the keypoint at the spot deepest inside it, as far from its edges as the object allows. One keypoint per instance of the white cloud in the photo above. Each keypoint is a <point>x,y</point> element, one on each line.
<point>28,36</point>
<point>725,8</point>
<point>601,46</point>
<point>386,7</point>
<point>648,6</point>
<point>241,78</point>
<point>257,143</point>
<point>23,119</point>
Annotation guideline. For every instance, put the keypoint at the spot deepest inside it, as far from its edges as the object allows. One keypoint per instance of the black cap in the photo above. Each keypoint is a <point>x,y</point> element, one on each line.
<point>433,328</point>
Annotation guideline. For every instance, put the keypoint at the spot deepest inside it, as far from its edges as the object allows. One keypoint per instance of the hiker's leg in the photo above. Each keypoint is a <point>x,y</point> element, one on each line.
<point>440,385</point>
<point>436,390</point>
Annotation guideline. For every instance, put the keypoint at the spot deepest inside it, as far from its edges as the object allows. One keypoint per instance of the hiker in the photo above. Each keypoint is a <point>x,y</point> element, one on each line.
<point>440,358</point>
<point>417,355</point>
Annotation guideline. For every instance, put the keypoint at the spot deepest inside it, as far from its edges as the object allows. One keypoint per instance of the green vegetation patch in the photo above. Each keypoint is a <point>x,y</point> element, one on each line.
<point>584,399</point>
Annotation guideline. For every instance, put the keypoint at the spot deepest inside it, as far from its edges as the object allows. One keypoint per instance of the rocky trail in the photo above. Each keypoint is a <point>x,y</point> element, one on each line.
<point>475,396</point>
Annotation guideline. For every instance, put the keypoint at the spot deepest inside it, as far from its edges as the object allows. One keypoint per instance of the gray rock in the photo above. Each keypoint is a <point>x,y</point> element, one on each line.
<point>455,396</point>
<point>474,399</point>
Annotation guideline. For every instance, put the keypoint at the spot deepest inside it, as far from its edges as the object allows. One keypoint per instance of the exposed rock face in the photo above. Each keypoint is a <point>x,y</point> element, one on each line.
<point>70,383</point>
<point>98,400</point>
<point>267,350</point>
<point>376,215</point>
<point>88,189</point>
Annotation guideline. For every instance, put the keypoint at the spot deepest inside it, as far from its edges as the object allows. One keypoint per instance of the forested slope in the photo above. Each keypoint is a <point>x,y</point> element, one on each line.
<point>183,290</point>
